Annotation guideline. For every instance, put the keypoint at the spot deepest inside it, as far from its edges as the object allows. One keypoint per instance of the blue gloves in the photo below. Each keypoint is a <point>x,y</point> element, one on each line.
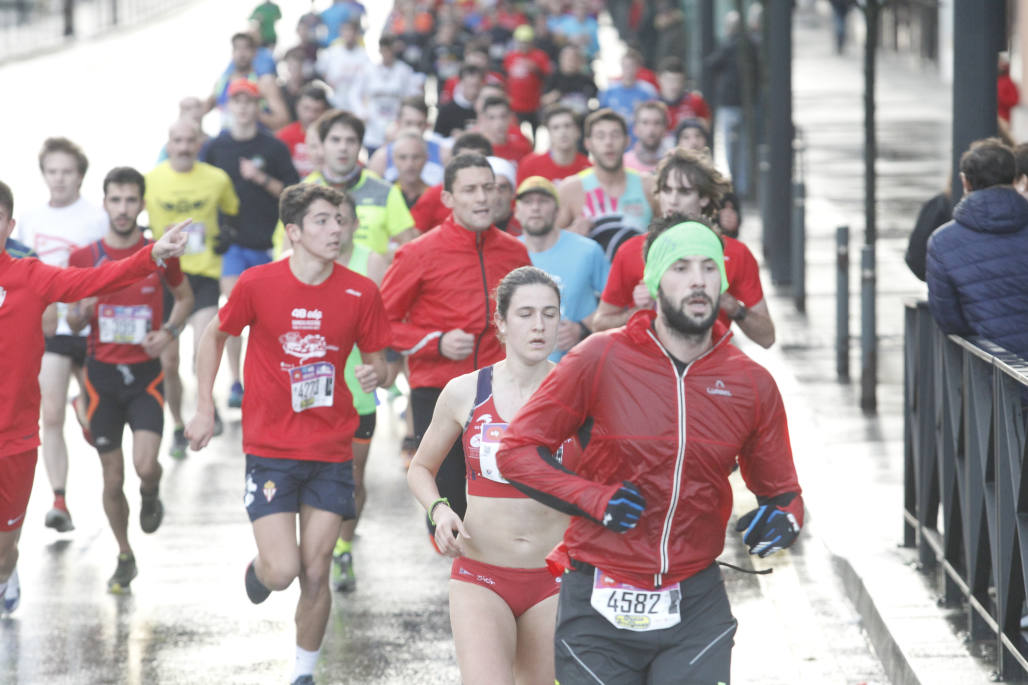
<point>624,508</point>
<point>768,529</point>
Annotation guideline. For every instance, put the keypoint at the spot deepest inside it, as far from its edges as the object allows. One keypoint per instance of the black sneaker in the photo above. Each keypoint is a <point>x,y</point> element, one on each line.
<point>304,680</point>
<point>179,444</point>
<point>123,574</point>
<point>255,589</point>
<point>151,513</point>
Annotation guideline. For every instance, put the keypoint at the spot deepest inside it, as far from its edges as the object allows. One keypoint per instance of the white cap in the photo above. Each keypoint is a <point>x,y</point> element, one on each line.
<point>505,168</point>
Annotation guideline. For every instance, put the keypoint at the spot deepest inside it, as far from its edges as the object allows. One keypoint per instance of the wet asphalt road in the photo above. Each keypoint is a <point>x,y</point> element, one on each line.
<point>187,619</point>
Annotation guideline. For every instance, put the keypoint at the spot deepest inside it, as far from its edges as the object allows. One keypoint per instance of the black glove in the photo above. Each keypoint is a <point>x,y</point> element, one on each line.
<point>224,240</point>
<point>624,508</point>
<point>768,529</point>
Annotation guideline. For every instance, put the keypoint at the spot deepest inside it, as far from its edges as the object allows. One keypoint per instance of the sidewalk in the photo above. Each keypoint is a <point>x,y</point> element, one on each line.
<point>851,464</point>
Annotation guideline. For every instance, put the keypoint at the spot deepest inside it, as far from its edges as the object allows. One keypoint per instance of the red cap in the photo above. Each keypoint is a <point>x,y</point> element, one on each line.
<point>241,85</point>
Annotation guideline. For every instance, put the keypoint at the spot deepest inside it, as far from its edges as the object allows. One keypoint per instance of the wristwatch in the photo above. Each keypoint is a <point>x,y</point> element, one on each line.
<point>172,329</point>
<point>740,313</point>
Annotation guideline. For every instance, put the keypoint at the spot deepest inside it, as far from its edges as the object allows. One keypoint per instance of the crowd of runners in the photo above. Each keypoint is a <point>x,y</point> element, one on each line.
<point>543,257</point>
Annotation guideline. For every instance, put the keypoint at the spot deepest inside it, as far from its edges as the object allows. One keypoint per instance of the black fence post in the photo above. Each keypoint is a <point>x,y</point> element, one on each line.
<point>778,215</point>
<point>842,303</point>
<point>69,18</point>
<point>974,76</point>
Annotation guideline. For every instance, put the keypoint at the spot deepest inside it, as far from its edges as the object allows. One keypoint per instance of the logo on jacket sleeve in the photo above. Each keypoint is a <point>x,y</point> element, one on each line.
<point>3,295</point>
<point>719,389</point>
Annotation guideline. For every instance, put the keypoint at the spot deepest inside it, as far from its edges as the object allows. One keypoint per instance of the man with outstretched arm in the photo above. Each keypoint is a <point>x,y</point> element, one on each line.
<point>27,287</point>
<point>662,408</point>
<point>305,315</point>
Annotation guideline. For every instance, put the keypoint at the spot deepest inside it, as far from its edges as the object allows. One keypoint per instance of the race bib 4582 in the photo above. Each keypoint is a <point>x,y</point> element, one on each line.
<point>631,608</point>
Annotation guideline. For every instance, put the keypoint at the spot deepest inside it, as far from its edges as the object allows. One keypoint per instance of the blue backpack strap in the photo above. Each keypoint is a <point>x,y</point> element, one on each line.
<point>485,385</point>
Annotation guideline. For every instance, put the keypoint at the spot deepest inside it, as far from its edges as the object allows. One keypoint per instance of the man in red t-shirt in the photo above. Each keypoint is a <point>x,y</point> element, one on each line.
<point>563,158</point>
<point>681,102</point>
<point>27,288</point>
<point>494,122</point>
<point>689,186</point>
<point>527,68</point>
<point>305,314</point>
<point>123,376</point>
<point>313,102</point>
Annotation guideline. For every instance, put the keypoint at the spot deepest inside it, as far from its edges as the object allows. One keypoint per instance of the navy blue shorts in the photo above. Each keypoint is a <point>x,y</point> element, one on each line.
<point>238,259</point>
<point>281,485</point>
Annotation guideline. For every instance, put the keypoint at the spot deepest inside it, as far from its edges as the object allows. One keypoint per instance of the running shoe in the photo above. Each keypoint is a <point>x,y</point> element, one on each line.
<point>83,423</point>
<point>304,680</point>
<point>343,577</point>
<point>219,427</point>
<point>255,589</point>
<point>123,574</point>
<point>12,594</point>
<point>407,449</point>
<point>235,395</point>
<point>151,513</point>
<point>178,444</point>
<point>59,518</point>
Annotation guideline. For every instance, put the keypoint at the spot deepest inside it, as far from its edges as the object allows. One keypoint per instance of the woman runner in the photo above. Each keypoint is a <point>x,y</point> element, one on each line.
<point>503,600</point>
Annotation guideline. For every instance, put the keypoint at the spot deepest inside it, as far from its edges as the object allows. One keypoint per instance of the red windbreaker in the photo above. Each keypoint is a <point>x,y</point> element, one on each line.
<point>675,437</point>
<point>444,280</point>
<point>27,287</point>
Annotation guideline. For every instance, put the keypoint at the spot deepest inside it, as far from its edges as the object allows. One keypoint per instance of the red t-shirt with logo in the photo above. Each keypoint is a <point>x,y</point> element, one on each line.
<point>626,271</point>
<point>121,321</point>
<point>542,164</point>
<point>525,74</point>
<point>297,405</point>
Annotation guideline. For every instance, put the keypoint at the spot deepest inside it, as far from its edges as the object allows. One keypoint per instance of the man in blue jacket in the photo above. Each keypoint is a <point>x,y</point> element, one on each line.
<point>977,267</point>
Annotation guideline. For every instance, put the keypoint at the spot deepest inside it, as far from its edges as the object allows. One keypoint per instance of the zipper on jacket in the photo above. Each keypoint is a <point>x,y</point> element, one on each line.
<point>479,243</point>
<point>665,534</point>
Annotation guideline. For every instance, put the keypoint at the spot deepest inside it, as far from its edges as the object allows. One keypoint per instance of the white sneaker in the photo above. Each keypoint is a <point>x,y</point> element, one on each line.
<point>12,595</point>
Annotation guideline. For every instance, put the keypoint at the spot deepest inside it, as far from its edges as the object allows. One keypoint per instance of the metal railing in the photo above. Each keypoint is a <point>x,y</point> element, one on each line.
<point>28,27</point>
<point>966,479</point>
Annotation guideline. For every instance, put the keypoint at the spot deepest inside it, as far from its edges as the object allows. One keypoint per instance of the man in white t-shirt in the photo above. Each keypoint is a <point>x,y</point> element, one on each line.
<point>376,97</point>
<point>343,63</point>
<point>54,230</point>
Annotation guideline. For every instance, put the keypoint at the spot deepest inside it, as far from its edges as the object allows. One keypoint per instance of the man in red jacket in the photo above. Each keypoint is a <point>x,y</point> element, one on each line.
<point>27,287</point>
<point>438,296</point>
<point>663,408</point>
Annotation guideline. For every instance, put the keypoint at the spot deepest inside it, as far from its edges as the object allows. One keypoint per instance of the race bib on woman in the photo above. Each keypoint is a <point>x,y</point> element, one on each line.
<point>492,434</point>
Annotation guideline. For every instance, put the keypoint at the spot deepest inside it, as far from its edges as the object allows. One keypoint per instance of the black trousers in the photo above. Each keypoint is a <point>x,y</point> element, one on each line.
<point>697,651</point>
<point>451,476</point>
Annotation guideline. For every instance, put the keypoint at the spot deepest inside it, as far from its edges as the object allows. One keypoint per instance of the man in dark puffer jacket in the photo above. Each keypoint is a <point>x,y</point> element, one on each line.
<point>977,269</point>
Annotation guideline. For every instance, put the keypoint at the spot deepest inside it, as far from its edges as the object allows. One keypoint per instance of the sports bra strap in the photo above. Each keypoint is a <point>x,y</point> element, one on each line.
<point>485,385</point>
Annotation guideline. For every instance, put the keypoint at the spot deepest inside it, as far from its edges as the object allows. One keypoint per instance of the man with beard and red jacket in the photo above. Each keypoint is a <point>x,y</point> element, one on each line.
<point>663,408</point>
<point>438,296</point>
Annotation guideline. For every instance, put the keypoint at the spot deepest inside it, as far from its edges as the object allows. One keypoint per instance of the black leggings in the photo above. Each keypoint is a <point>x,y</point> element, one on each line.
<point>451,476</point>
